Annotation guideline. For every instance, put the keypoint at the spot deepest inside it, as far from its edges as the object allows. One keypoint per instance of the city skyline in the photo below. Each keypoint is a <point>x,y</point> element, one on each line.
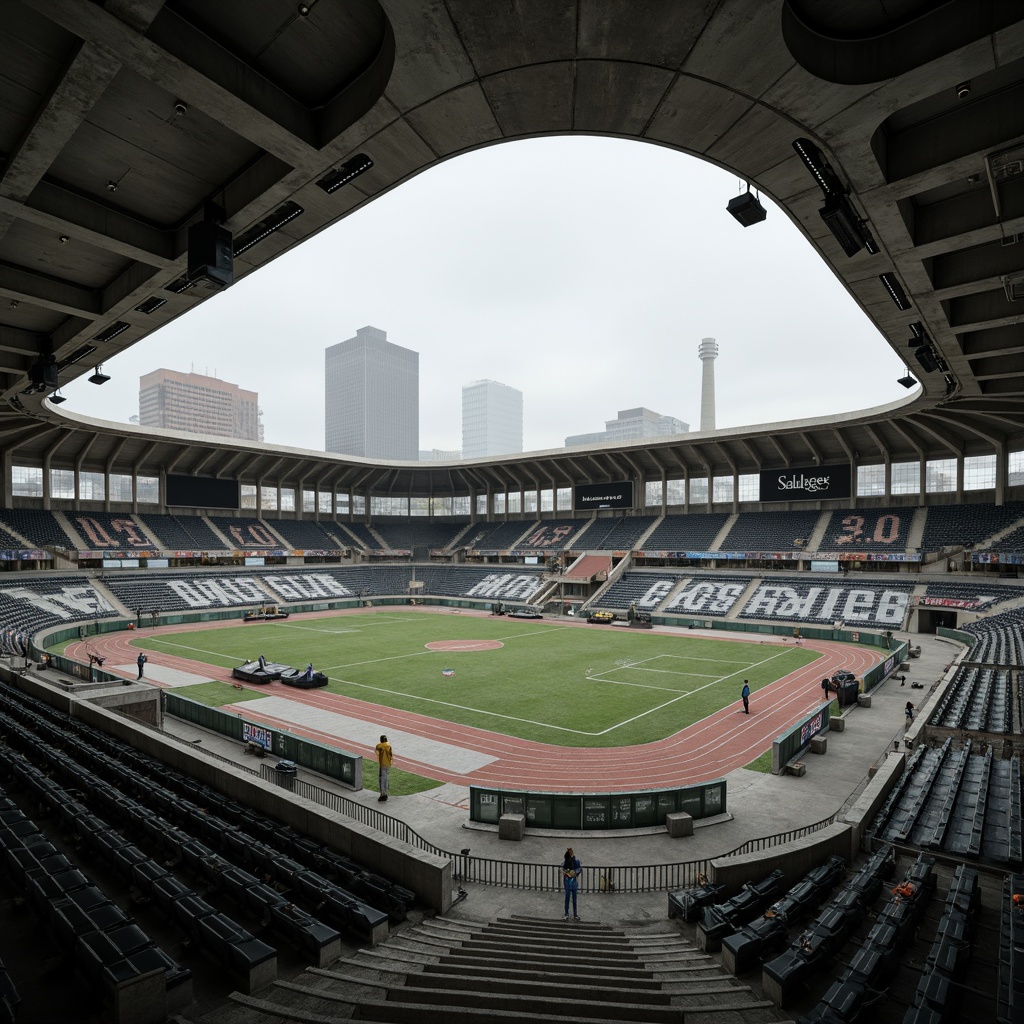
<point>492,419</point>
<point>198,403</point>
<point>542,277</point>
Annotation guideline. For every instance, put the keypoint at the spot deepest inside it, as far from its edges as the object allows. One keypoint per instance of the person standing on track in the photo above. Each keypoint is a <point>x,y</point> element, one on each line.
<point>385,756</point>
<point>141,662</point>
<point>745,694</point>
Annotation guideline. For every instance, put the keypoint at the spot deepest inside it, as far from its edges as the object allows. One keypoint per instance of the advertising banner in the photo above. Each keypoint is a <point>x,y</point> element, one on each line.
<point>807,483</point>
<point>614,495</point>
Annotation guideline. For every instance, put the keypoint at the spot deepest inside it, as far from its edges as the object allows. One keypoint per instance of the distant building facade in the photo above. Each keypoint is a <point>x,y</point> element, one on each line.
<point>440,455</point>
<point>492,420</point>
<point>372,398</point>
<point>631,425</point>
<point>170,400</point>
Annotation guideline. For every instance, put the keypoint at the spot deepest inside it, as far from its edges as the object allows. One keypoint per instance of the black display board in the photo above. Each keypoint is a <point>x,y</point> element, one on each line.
<point>614,495</point>
<point>201,492</point>
<point>806,483</point>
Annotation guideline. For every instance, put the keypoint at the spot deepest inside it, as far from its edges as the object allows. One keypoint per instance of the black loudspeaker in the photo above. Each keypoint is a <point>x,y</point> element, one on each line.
<point>43,373</point>
<point>747,209</point>
<point>926,357</point>
<point>210,254</point>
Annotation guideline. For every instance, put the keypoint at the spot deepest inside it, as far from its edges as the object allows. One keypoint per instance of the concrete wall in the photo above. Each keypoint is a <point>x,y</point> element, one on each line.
<point>425,874</point>
<point>868,804</point>
<point>795,859</point>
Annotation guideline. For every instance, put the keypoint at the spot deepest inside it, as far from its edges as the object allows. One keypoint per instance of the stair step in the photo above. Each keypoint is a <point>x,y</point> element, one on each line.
<point>422,1013</point>
<point>541,961</point>
<point>559,986</point>
<point>601,979</point>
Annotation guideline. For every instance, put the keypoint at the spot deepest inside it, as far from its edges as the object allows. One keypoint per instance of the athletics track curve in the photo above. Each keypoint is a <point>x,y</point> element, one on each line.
<point>706,750</point>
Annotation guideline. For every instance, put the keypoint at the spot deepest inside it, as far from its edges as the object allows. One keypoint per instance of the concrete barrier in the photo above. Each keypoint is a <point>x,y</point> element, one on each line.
<point>864,700</point>
<point>875,793</point>
<point>512,827</point>
<point>819,744</point>
<point>679,824</point>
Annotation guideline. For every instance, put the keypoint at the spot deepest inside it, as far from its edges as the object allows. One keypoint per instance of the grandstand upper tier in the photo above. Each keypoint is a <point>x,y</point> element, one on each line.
<point>909,169</point>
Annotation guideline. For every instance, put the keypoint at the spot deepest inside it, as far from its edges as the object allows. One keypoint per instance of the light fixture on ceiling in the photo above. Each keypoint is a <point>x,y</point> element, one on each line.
<point>906,380</point>
<point>111,332</point>
<point>963,90</point>
<point>747,208</point>
<point>303,10</point>
<point>895,290</point>
<point>272,222</point>
<point>57,398</point>
<point>350,169</point>
<point>98,376</point>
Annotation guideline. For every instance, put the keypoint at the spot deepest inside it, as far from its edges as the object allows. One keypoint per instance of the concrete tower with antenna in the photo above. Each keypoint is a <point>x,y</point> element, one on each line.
<point>708,353</point>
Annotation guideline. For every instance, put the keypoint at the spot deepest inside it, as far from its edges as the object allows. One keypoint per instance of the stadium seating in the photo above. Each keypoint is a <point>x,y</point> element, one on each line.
<point>770,531</point>
<point>552,535</point>
<point>181,533</point>
<point>980,596</point>
<point>1000,638</point>
<point>38,526</point>
<point>105,530</point>
<point>361,534</point>
<point>414,533</point>
<point>976,700</point>
<point>496,536</point>
<point>968,525</point>
<point>686,533</point>
<point>246,533</point>
<point>647,589</point>
<point>868,530</point>
<point>862,602</point>
<point>620,534</point>
<point>1010,988</point>
<point>310,535</point>
<point>707,594</point>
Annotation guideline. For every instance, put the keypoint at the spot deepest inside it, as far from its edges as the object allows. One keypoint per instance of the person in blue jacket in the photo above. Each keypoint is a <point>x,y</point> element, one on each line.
<point>745,694</point>
<point>571,869</point>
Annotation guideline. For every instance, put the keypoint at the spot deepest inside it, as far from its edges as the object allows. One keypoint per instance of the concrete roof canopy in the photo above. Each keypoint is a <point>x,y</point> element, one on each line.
<point>121,121</point>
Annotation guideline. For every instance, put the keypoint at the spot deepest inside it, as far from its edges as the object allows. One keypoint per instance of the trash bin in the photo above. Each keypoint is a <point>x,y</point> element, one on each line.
<point>285,772</point>
<point>847,693</point>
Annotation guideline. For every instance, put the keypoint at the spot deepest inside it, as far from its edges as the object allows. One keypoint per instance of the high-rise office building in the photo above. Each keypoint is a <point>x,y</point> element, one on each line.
<point>492,420</point>
<point>203,405</point>
<point>630,425</point>
<point>372,392</point>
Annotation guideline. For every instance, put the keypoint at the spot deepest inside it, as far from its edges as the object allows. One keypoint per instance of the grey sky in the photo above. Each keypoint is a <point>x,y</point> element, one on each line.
<point>582,271</point>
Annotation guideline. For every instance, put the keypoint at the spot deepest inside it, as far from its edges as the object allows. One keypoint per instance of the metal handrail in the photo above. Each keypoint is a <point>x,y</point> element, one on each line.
<point>539,877</point>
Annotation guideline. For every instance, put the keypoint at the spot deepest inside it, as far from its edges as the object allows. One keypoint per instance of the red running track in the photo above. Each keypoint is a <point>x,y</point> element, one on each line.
<point>706,750</point>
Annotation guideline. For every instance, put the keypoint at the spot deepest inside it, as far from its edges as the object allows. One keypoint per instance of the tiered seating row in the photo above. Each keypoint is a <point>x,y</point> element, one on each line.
<point>770,531</point>
<point>647,589</point>
<point>868,530</point>
<point>964,525</point>
<point>978,700</point>
<point>1010,990</point>
<point>798,600</point>
<point>108,531</point>
<point>686,533</point>
<point>616,534</point>
<point>39,526</point>
<point>1000,638</point>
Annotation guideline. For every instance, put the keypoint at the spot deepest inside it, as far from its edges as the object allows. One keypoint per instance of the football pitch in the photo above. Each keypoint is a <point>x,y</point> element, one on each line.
<point>540,680</point>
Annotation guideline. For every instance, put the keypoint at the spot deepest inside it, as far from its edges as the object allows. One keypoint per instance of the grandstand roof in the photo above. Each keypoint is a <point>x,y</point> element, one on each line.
<point>117,121</point>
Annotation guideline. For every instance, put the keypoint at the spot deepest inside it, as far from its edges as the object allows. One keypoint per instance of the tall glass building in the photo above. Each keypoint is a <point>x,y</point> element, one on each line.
<point>372,398</point>
<point>492,420</point>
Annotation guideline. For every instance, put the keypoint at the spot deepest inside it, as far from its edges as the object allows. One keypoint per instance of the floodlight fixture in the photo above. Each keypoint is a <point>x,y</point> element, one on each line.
<point>906,380</point>
<point>895,290</point>
<point>150,305</point>
<point>98,376</point>
<point>747,208</point>
<point>345,173</point>
<point>57,398</point>
<point>925,355</point>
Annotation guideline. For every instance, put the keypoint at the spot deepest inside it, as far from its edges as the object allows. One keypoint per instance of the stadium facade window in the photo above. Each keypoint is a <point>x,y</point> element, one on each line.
<point>749,487</point>
<point>676,492</point>
<point>499,504</point>
<point>652,493</point>
<point>358,505</point>
<point>940,475</point>
<point>62,483</point>
<point>481,504</point>
<point>92,487</point>
<point>564,496</point>
<point>268,498</point>
<point>26,481</point>
<point>120,487</point>
<point>698,490</point>
<point>389,505</point>
<point>906,478</point>
<point>870,480</point>
<point>1015,469</point>
<point>461,505</point>
<point>979,472</point>
<point>514,501</point>
<point>147,490</point>
<point>529,501</point>
<point>248,496</point>
<point>722,488</point>
<point>308,501</point>
<point>419,506</point>
<point>323,502</point>
<point>287,499</point>
<point>341,503</point>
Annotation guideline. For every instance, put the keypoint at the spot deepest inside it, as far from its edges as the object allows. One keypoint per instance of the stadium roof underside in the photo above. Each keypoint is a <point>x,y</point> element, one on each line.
<point>119,119</point>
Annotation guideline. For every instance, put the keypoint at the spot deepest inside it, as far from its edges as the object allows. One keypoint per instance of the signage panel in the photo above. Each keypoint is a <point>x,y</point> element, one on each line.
<point>614,495</point>
<point>807,483</point>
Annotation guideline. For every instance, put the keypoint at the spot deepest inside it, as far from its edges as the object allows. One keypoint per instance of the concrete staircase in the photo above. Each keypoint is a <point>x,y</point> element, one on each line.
<point>511,969</point>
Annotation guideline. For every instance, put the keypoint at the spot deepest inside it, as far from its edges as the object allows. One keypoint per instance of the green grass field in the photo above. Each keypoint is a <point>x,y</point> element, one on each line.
<point>550,682</point>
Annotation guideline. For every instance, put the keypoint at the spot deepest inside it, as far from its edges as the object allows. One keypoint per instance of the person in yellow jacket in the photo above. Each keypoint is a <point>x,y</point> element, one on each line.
<point>385,756</point>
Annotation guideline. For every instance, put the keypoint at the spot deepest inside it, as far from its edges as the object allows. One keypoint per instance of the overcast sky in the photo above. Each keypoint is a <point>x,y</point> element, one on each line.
<point>582,271</point>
